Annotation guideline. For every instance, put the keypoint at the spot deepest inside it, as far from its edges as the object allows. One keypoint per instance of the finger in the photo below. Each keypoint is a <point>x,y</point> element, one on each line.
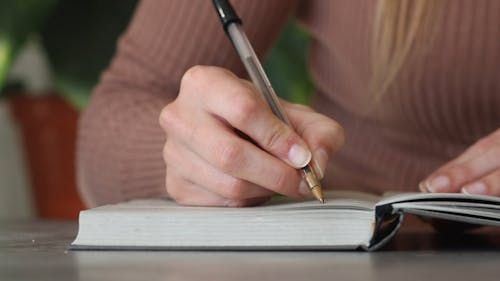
<point>454,177</point>
<point>480,147</point>
<point>238,103</point>
<point>488,185</point>
<point>323,135</point>
<point>219,145</point>
<point>187,193</point>
<point>477,149</point>
<point>189,165</point>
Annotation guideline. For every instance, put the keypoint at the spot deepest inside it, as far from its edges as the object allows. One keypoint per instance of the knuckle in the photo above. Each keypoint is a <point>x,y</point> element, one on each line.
<point>169,154</point>
<point>234,189</point>
<point>228,157</point>
<point>461,173</point>
<point>172,188</point>
<point>177,192</point>
<point>339,134</point>
<point>194,75</point>
<point>168,117</point>
<point>166,153</point>
<point>244,108</point>
<point>277,136</point>
<point>202,75</point>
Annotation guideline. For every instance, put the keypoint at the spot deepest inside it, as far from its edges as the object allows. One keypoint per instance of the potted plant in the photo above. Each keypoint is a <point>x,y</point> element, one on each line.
<point>79,39</point>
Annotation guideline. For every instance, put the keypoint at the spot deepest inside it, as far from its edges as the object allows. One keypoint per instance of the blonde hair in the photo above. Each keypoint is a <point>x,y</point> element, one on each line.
<point>400,27</point>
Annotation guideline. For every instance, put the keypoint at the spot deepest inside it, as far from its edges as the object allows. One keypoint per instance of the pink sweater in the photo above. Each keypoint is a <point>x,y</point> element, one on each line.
<point>433,115</point>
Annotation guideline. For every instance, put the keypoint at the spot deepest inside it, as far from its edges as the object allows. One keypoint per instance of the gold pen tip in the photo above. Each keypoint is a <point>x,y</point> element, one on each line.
<point>318,194</point>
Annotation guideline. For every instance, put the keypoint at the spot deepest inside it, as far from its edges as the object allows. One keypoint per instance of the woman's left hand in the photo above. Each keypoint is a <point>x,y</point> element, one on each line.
<point>476,171</point>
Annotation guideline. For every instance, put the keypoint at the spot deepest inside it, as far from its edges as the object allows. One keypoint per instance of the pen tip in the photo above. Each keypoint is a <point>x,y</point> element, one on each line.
<point>316,191</point>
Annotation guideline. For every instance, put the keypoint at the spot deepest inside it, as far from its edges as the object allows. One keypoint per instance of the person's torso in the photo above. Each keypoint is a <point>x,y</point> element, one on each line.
<point>444,98</point>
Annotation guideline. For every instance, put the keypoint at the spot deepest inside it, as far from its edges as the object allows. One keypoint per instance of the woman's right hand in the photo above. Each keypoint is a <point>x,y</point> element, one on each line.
<point>208,161</point>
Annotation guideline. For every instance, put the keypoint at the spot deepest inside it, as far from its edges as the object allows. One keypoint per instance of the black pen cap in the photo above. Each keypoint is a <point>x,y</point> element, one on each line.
<point>226,13</point>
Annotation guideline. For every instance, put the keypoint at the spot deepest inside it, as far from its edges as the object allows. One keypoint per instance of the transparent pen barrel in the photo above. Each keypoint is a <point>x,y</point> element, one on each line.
<point>255,70</point>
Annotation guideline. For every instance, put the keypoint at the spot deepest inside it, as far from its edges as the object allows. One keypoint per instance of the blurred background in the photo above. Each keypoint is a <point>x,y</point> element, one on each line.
<point>51,55</point>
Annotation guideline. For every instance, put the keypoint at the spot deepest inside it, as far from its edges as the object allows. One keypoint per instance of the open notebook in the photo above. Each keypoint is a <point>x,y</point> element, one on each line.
<point>348,220</point>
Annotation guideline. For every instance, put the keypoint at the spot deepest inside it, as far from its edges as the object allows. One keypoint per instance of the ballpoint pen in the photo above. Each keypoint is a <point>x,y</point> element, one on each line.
<point>233,27</point>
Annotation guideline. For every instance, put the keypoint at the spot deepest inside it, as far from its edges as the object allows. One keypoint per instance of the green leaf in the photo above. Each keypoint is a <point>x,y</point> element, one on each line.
<point>80,39</point>
<point>6,47</point>
<point>18,20</point>
<point>286,65</point>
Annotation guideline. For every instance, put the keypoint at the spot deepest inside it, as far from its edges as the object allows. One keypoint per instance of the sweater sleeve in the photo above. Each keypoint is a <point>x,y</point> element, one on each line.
<point>119,150</point>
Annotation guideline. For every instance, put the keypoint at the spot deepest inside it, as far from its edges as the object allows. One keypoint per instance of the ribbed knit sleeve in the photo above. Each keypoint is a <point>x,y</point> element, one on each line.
<point>120,142</point>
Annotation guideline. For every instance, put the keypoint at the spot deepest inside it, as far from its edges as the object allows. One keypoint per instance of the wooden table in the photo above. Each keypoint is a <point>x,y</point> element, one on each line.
<point>36,250</point>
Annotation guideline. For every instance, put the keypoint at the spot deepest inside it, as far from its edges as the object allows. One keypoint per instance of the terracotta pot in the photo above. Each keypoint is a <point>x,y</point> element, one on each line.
<point>48,125</point>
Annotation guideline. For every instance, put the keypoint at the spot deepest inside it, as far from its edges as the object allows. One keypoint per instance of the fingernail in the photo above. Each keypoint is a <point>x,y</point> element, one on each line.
<point>319,162</point>
<point>422,187</point>
<point>475,188</point>
<point>304,189</point>
<point>299,156</point>
<point>438,184</point>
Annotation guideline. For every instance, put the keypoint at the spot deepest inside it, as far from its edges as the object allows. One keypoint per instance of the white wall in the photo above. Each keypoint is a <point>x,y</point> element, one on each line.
<point>15,194</point>
<point>32,69</point>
